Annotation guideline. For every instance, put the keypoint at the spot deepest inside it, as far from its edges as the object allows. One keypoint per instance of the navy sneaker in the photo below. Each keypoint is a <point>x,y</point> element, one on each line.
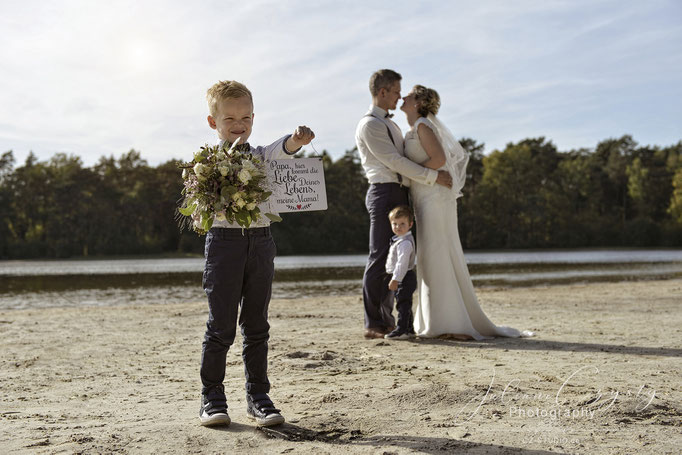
<point>260,407</point>
<point>214,408</point>
<point>400,334</point>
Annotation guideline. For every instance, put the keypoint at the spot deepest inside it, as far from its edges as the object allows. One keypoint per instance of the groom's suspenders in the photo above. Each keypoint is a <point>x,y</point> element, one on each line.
<point>388,129</point>
<point>390,136</point>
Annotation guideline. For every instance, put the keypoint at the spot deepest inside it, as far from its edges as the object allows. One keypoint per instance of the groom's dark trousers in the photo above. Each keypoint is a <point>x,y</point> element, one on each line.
<point>237,275</point>
<point>380,200</point>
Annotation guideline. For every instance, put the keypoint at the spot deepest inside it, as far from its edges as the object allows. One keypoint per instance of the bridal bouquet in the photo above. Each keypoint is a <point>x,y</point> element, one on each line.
<point>225,183</point>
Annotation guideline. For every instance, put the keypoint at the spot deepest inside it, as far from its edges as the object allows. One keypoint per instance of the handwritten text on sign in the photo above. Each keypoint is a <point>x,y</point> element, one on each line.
<point>297,185</point>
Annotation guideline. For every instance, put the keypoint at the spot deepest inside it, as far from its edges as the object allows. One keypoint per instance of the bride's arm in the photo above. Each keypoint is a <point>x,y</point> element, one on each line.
<point>431,146</point>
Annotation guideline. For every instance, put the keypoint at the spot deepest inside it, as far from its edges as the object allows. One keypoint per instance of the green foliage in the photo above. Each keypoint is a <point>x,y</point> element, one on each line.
<point>675,208</point>
<point>528,195</point>
<point>531,196</point>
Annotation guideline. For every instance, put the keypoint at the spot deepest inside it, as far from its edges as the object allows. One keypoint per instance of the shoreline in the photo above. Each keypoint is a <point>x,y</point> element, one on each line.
<point>125,378</point>
<point>199,255</point>
<point>81,291</point>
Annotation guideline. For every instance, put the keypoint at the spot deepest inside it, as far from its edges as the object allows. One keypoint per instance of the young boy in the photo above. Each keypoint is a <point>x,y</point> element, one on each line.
<point>238,272</point>
<point>399,267</point>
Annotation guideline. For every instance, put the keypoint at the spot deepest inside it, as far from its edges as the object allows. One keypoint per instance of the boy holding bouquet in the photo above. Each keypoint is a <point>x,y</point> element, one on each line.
<point>239,270</point>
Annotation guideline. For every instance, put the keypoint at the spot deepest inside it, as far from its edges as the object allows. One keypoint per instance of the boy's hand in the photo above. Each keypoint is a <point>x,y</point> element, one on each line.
<point>393,285</point>
<point>301,136</point>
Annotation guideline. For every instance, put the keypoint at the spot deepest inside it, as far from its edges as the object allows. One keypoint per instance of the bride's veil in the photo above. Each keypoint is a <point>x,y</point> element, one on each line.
<point>456,158</point>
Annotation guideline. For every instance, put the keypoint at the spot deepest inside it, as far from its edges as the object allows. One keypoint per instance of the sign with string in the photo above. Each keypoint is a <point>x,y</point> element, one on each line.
<point>297,184</point>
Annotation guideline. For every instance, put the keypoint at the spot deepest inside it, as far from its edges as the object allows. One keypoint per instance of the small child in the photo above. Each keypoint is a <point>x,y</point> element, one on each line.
<point>238,272</point>
<point>399,267</point>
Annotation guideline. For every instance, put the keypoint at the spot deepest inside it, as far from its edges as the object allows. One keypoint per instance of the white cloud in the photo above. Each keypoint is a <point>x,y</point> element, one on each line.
<point>96,79</point>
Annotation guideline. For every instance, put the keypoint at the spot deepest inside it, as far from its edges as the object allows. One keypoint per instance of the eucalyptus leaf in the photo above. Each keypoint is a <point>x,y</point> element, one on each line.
<point>206,221</point>
<point>242,219</point>
<point>274,218</point>
<point>187,211</point>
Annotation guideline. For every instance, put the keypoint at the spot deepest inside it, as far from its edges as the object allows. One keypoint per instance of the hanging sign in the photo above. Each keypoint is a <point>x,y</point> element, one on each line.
<point>297,185</point>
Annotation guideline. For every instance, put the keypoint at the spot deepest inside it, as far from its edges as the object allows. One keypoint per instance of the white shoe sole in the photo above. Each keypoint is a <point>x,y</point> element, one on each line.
<point>267,422</point>
<point>401,337</point>
<point>214,420</point>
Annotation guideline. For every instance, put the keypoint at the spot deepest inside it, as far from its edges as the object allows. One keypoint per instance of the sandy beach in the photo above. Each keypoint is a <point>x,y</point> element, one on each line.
<point>602,376</point>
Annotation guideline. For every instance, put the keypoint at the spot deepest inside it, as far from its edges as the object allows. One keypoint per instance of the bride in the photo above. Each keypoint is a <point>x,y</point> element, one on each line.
<point>447,300</point>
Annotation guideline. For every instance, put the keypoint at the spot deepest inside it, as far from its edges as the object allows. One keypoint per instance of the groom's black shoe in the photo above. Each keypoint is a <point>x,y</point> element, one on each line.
<point>374,332</point>
<point>260,407</point>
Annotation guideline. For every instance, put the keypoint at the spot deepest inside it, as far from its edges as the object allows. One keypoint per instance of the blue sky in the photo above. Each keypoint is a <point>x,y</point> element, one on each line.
<point>99,78</point>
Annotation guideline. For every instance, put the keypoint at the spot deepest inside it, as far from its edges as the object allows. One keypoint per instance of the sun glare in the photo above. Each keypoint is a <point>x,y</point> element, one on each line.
<point>140,55</point>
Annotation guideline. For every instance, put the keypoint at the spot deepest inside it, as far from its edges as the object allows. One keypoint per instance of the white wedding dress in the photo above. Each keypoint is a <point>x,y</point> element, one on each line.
<point>447,303</point>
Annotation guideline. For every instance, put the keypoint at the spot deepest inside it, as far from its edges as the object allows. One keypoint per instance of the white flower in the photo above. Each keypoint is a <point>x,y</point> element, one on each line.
<point>250,206</point>
<point>224,170</point>
<point>253,169</point>
<point>185,173</point>
<point>200,169</point>
<point>244,176</point>
<point>248,165</point>
<point>220,216</point>
<point>220,155</point>
<point>240,203</point>
<point>238,195</point>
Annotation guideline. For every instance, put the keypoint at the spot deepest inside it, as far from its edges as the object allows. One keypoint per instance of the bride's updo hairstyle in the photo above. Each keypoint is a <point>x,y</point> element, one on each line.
<point>428,99</point>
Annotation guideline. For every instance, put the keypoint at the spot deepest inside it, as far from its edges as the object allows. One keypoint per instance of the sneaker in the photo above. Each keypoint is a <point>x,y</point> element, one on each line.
<point>399,334</point>
<point>214,408</point>
<point>260,407</point>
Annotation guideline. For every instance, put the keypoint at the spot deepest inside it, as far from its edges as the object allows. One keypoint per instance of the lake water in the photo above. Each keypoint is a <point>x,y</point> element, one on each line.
<point>35,284</point>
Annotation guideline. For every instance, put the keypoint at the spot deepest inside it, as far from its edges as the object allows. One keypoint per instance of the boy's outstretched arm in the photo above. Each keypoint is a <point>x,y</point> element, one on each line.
<point>301,136</point>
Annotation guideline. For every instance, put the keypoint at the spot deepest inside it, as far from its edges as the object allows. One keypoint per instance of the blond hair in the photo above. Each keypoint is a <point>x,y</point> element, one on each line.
<point>428,99</point>
<point>401,211</point>
<point>383,79</point>
<point>223,90</point>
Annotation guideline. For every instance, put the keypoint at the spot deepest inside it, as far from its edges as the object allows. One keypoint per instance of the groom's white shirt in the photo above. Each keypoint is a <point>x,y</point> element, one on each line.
<point>383,160</point>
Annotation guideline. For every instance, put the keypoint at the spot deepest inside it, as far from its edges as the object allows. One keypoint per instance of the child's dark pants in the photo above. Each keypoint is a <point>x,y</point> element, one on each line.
<point>403,300</point>
<point>238,274</point>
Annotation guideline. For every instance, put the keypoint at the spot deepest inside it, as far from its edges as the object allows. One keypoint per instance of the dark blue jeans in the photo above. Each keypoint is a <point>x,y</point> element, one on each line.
<point>237,280</point>
<point>381,198</point>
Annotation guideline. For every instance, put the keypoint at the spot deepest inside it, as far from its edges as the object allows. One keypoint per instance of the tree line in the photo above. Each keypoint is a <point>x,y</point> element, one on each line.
<point>528,195</point>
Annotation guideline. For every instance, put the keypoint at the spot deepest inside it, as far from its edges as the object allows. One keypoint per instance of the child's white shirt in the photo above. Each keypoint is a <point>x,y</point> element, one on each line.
<point>401,256</point>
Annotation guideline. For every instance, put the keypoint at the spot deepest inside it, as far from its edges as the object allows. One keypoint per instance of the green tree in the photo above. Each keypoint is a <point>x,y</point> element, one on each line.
<point>6,209</point>
<point>469,215</point>
<point>513,193</point>
<point>675,207</point>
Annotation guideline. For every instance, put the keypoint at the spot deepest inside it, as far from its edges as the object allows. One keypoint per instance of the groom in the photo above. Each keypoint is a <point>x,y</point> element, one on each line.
<point>380,143</point>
